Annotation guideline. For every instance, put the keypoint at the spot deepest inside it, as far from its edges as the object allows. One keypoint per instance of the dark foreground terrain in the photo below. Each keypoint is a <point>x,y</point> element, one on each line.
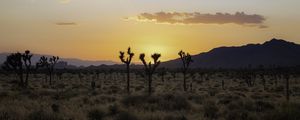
<point>71,97</point>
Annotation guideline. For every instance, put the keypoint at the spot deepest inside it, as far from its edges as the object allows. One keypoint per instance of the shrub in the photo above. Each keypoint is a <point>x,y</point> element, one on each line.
<point>287,111</point>
<point>167,102</point>
<point>126,116</point>
<point>43,115</point>
<point>113,110</point>
<point>262,106</point>
<point>240,114</point>
<point>176,117</point>
<point>210,110</point>
<point>95,114</point>
<point>9,114</point>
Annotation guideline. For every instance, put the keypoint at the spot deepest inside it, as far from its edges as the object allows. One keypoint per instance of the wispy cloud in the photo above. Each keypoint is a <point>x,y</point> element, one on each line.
<point>185,18</point>
<point>64,1</point>
<point>66,23</point>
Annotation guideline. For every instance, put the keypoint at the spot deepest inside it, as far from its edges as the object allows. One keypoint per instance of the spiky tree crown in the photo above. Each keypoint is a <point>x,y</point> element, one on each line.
<point>129,58</point>
<point>13,61</point>
<point>27,58</point>
<point>186,59</point>
<point>150,67</point>
<point>43,62</point>
<point>47,62</point>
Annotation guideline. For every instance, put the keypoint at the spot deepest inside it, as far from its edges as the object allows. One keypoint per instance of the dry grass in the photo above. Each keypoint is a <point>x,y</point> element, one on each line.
<point>74,99</point>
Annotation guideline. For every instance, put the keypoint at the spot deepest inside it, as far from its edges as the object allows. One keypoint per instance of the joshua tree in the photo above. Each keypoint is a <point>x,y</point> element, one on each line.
<point>186,59</point>
<point>43,63</point>
<point>127,62</point>
<point>14,63</point>
<point>162,72</point>
<point>150,68</point>
<point>27,61</point>
<point>49,64</point>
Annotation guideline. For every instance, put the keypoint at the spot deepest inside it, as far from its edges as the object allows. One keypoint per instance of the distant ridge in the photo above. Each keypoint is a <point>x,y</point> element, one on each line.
<point>70,61</point>
<point>275,52</point>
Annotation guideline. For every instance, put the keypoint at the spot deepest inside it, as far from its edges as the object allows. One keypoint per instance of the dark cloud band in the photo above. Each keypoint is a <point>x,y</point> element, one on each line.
<point>239,18</point>
<point>65,23</point>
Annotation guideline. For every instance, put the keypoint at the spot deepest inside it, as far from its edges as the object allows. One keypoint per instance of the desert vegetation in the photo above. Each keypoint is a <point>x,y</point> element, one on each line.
<point>263,93</point>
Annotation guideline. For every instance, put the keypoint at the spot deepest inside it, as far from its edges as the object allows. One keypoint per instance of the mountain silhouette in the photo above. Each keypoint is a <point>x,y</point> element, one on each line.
<point>276,52</point>
<point>70,61</point>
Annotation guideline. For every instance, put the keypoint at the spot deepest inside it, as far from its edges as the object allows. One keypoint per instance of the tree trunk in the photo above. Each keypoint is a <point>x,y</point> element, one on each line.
<point>26,80</point>
<point>21,79</point>
<point>149,84</point>
<point>223,83</point>
<point>50,76</point>
<point>128,80</point>
<point>184,81</point>
<point>287,88</point>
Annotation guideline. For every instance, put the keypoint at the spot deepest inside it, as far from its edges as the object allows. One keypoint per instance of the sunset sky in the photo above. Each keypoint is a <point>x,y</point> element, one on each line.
<point>99,29</point>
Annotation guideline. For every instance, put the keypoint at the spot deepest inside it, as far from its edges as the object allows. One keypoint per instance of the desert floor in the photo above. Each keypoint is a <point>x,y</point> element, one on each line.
<point>72,98</point>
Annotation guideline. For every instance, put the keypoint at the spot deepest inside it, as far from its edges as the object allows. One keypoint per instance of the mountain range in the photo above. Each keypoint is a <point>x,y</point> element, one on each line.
<point>275,52</point>
<point>70,61</point>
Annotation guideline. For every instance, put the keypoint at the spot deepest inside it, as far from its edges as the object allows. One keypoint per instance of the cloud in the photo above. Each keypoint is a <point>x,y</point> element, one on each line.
<point>65,23</point>
<point>185,18</point>
<point>64,1</point>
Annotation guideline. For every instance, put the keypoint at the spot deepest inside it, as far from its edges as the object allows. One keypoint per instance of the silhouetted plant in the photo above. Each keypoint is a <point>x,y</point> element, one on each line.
<point>27,62</point>
<point>14,63</point>
<point>223,84</point>
<point>93,85</point>
<point>186,59</point>
<point>127,61</point>
<point>150,68</point>
<point>162,73</point>
<point>262,76</point>
<point>287,86</point>
<point>49,64</point>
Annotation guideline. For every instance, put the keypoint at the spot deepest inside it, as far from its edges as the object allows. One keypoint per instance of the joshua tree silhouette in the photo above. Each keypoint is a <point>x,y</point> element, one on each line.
<point>150,68</point>
<point>14,63</point>
<point>127,61</point>
<point>27,61</point>
<point>186,59</point>
<point>49,64</point>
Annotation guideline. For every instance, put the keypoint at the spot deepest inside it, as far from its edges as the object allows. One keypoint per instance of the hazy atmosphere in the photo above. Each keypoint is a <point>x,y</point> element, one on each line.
<point>98,29</point>
<point>149,60</point>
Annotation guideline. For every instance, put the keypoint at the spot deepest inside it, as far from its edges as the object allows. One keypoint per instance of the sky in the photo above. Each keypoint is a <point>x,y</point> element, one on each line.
<point>99,29</point>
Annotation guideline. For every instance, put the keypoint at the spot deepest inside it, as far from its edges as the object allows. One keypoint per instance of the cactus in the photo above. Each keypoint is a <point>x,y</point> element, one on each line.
<point>186,59</point>
<point>127,62</point>
<point>49,64</point>
<point>150,68</point>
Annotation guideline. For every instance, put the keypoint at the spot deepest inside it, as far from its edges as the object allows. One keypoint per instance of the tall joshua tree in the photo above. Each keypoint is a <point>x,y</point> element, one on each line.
<point>127,61</point>
<point>150,68</point>
<point>186,59</point>
<point>27,61</point>
<point>14,63</point>
<point>49,64</point>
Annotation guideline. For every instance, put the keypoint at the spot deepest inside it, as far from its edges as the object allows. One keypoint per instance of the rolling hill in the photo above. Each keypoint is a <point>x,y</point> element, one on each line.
<point>273,52</point>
